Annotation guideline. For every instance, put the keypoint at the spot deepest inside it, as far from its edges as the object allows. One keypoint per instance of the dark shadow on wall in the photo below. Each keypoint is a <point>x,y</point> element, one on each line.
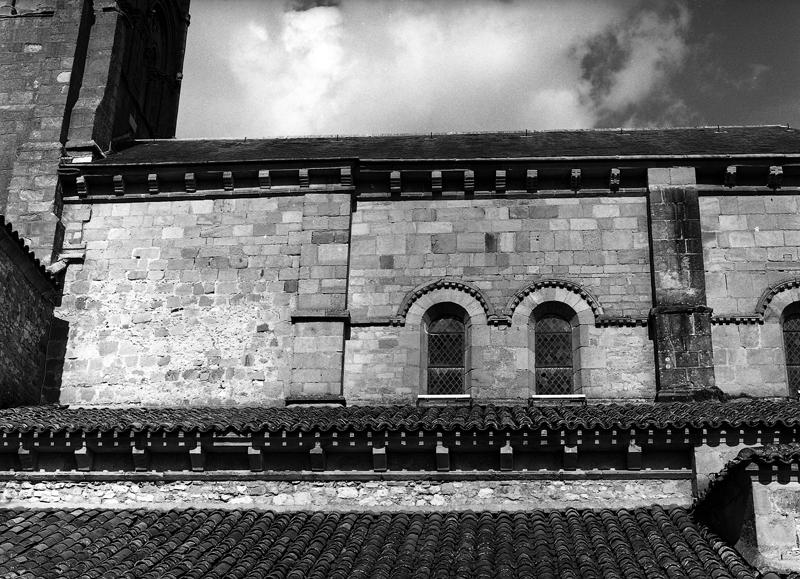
<point>54,362</point>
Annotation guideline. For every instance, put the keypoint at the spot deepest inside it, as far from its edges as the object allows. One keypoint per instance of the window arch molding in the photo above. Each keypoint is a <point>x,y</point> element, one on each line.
<point>421,311</point>
<point>566,299</point>
<point>466,294</point>
<point>778,303</point>
<point>558,290</point>
<point>777,297</point>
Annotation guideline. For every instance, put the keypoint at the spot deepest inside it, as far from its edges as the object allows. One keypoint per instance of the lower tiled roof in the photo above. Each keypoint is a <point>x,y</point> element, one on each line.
<point>646,543</point>
<point>713,414</point>
<point>786,453</point>
<point>769,455</point>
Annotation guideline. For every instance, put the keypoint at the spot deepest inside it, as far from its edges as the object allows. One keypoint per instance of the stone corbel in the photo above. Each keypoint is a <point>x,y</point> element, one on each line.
<point>69,254</point>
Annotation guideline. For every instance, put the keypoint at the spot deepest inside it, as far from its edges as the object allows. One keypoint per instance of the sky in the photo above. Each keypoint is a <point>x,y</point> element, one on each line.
<point>263,68</point>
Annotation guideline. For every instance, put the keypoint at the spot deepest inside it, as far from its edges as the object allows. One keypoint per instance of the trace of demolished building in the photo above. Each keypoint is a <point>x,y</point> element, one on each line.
<point>538,354</point>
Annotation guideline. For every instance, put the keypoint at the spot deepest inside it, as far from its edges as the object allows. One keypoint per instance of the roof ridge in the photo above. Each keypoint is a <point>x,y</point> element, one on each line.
<point>459,133</point>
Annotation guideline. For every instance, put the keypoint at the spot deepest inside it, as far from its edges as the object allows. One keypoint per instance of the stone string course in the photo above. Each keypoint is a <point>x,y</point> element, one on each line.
<point>347,496</point>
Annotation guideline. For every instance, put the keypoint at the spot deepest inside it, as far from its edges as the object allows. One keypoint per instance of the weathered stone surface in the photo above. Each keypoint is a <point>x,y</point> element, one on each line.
<point>27,300</point>
<point>533,239</point>
<point>501,246</point>
<point>750,242</point>
<point>372,496</point>
<point>175,320</point>
<point>37,53</point>
<point>681,320</point>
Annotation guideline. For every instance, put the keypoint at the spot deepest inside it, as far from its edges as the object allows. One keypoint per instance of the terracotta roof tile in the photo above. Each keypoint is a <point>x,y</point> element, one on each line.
<point>574,143</point>
<point>643,543</point>
<point>786,453</point>
<point>479,417</point>
<point>781,455</point>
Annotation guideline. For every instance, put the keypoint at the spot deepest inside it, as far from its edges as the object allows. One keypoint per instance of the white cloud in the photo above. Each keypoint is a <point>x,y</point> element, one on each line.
<point>653,46</point>
<point>418,66</point>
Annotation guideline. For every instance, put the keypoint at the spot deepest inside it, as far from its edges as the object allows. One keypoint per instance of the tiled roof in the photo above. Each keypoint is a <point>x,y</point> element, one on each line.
<point>786,453</point>
<point>587,143</point>
<point>768,455</point>
<point>477,417</point>
<point>646,543</point>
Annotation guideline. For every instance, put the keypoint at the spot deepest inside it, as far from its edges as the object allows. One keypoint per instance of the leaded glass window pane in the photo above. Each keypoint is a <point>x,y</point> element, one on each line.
<point>446,345</point>
<point>791,340</point>
<point>553,336</point>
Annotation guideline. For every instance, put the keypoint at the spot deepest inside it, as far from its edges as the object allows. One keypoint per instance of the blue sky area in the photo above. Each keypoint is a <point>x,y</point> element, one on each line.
<point>258,69</point>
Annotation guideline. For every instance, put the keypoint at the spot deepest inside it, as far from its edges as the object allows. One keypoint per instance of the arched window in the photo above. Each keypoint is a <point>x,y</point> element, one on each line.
<point>445,349</point>
<point>791,342</point>
<point>554,347</point>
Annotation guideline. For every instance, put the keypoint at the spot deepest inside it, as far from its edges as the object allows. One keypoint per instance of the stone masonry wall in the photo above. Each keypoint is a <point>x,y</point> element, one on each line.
<point>382,365</point>
<point>749,243</point>
<point>501,246</point>
<point>372,496</point>
<point>181,302</point>
<point>36,57</point>
<point>26,312</point>
<point>776,508</point>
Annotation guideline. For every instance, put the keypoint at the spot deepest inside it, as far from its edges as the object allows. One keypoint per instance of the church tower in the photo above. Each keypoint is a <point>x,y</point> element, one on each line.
<point>80,76</point>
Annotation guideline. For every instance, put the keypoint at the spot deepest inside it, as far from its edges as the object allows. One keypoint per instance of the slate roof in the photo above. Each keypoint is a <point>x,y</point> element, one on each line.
<point>360,418</point>
<point>645,543</point>
<point>585,143</point>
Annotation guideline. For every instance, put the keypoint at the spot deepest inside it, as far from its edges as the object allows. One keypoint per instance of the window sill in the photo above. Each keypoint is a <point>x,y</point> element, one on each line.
<point>444,399</point>
<point>557,398</point>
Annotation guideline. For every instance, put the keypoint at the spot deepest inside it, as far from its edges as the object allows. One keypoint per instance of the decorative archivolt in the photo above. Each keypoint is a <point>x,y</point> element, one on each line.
<point>775,291</point>
<point>440,284</point>
<point>772,291</point>
<point>577,289</point>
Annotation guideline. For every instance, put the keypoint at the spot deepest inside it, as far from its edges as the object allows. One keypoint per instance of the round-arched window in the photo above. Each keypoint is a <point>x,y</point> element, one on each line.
<point>791,342</point>
<point>553,349</point>
<point>446,354</point>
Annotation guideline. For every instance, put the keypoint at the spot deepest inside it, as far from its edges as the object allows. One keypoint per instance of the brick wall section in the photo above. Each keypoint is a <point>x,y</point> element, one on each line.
<point>749,243</point>
<point>26,312</point>
<point>681,320</point>
<point>182,302</point>
<point>36,56</point>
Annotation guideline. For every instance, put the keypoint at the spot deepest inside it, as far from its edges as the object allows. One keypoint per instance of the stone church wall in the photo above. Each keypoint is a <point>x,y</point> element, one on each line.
<point>198,301</point>
<point>27,299</point>
<point>181,302</point>
<point>750,242</point>
<point>500,246</point>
